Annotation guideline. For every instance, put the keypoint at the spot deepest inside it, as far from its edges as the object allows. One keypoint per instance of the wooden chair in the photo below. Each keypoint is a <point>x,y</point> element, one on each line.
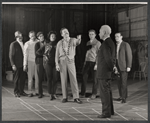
<point>141,71</point>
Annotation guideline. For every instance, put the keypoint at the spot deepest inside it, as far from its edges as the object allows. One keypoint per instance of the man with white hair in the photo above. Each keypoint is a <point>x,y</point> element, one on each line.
<point>105,65</point>
<point>16,60</point>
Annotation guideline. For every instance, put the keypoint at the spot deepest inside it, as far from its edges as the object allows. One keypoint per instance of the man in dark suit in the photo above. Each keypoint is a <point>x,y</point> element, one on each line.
<point>16,60</point>
<point>123,63</point>
<point>105,65</point>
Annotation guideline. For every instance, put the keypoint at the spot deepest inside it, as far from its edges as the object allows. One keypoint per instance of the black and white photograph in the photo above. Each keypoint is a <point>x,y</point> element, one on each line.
<point>74,61</point>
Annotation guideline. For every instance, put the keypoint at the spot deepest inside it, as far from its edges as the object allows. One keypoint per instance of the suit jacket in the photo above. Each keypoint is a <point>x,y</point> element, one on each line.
<point>16,54</point>
<point>106,59</point>
<point>38,57</point>
<point>124,56</point>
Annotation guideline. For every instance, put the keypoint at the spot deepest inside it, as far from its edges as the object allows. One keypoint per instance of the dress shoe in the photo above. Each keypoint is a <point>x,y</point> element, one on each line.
<point>24,94</point>
<point>64,100</point>
<point>93,96</point>
<point>103,116</point>
<point>40,96</point>
<point>112,113</point>
<point>36,94</point>
<point>54,96</point>
<point>119,99</point>
<point>82,96</point>
<point>123,101</point>
<point>51,97</point>
<point>77,100</point>
<point>16,95</point>
<point>30,95</point>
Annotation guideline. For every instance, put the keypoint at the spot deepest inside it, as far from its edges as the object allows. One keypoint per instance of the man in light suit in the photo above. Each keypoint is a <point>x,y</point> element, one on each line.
<point>64,59</point>
<point>16,60</point>
<point>123,64</point>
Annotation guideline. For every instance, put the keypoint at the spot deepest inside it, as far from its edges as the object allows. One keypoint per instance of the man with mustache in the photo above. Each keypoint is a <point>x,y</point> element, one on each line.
<point>64,59</point>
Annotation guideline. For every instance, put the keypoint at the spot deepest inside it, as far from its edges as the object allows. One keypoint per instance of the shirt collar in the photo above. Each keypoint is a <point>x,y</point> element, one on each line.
<point>66,40</point>
<point>32,40</point>
<point>19,41</point>
<point>93,42</point>
<point>106,38</point>
<point>119,43</point>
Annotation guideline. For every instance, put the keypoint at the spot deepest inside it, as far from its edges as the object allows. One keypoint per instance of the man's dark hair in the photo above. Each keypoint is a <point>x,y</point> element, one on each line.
<point>51,32</point>
<point>31,32</point>
<point>62,30</point>
<point>39,33</point>
<point>92,30</point>
<point>118,33</point>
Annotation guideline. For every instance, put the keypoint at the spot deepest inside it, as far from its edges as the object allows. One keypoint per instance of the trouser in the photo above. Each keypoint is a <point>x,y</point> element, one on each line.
<point>89,66</point>
<point>52,78</point>
<point>40,73</point>
<point>32,77</point>
<point>106,96</point>
<point>122,83</point>
<point>67,66</point>
<point>19,80</point>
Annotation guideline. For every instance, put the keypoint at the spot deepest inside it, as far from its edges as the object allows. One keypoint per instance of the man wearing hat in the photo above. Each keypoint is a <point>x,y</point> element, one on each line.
<point>16,60</point>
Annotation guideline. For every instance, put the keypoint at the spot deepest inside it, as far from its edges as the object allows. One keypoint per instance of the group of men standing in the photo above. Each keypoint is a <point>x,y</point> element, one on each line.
<point>23,59</point>
<point>101,59</point>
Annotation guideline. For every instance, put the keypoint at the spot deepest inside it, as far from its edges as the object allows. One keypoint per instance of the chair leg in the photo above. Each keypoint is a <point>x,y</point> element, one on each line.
<point>140,74</point>
<point>144,76</point>
<point>134,75</point>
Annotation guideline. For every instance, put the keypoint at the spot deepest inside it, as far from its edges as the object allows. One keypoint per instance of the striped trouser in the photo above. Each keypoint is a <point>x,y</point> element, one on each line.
<point>68,66</point>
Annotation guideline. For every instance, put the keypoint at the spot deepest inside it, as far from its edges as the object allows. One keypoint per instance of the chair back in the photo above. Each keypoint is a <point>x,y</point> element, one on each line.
<point>142,66</point>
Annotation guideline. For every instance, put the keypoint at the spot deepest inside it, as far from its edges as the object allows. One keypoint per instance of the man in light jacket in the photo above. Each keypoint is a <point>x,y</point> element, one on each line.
<point>29,64</point>
<point>89,64</point>
<point>64,59</point>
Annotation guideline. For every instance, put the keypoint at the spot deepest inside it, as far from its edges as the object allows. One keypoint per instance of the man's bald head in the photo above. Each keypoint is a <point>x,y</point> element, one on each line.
<point>105,31</point>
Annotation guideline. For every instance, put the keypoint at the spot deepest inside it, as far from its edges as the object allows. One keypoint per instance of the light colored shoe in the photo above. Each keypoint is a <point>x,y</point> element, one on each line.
<point>93,96</point>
